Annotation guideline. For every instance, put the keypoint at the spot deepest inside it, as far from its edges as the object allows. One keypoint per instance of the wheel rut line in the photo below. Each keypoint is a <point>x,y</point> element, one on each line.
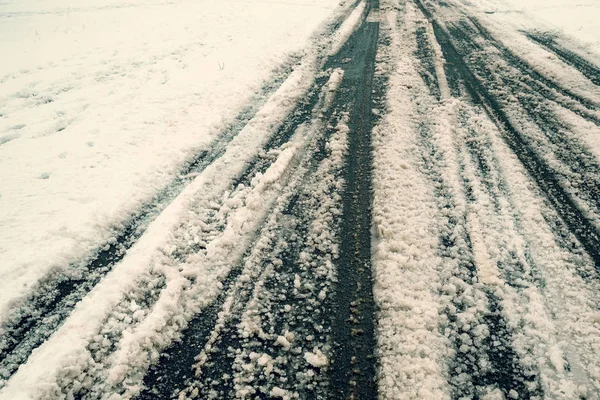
<point>566,147</point>
<point>588,69</point>
<point>542,82</point>
<point>47,308</point>
<point>545,177</point>
<point>171,357</point>
<point>353,332</point>
<point>177,362</point>
<point>534,82</point>
<point>503,363</point>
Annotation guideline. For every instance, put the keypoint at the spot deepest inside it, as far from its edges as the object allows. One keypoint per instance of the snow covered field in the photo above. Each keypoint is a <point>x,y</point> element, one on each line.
<point>576,19</point>
<point>299,199</point>
<point>102,101</point>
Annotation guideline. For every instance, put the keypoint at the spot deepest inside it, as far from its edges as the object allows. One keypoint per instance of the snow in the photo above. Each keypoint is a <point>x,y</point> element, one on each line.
<point>277,392</point>
<point>316,358</point>
<point>102,102</point>
<point>579,20</point>
<point>518,255</point>
<point>411,350</point>
<point>207,211</point>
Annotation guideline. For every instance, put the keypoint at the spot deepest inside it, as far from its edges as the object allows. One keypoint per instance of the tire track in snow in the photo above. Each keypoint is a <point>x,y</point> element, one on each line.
<point>543,330</point>
<point>176,365</point>
<point>565,359</point>
<point>536,80</point>
<point>502,257</point>
<point>486,359</point>
<point>426,56</point>
<point>263,348</point>
<point>117,371</point>
<point>484,355</point>
<point>44,310</point>
<point>545,176</point>
<point>588,69</point>
<point>216,362</point>
<point>353,363</point>
<point>513,272</point>
<point>562,144</point>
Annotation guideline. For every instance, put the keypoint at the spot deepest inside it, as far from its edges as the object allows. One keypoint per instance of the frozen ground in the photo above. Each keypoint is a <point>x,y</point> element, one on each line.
<point>394,199</point>
<point>577,19</point>
<point>101,102</point>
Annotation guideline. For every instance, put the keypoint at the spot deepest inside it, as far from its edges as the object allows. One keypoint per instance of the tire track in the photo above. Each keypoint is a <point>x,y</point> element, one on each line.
<point>538,82</point>
<point>261,350</point>
<point>578,165</point>
<point>216,323</point>
<point>426,56</point>
<point>212,226</point>
<point>484,356</point>
<point>546,177</point>
<point>353,364</point>
<point>218,362</point>
<point>44,310</point>
<point>466,28</point>
<point>489,354</point>
<point>588,69</point>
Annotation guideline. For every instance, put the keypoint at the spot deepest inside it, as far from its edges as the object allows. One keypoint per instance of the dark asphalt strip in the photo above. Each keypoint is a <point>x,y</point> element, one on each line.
<point>353,364</point>
<point>276,290</point>
<point>546,178</point>
<point>569,57</point>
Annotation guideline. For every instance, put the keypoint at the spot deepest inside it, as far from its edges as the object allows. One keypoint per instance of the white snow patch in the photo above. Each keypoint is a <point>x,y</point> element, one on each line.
<point>149,84</point>
<point>316,358</point>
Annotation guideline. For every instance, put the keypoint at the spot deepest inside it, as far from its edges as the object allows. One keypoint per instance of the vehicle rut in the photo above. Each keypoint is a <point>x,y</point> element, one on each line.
<point>546,177</point>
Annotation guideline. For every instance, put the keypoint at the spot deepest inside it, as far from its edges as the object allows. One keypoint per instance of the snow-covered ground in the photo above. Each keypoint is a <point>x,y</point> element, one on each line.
<point>490,244</point>
<point>577,19</point>
<point>156,284</point>
<point>101,102</point>
<point>473,124</point>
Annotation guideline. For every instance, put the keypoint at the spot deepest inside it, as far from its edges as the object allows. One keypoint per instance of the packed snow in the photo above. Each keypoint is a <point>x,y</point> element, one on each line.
<point>101,103</point>
<point>220,221</point>
<point>578,20</point>
<point>483,287</point>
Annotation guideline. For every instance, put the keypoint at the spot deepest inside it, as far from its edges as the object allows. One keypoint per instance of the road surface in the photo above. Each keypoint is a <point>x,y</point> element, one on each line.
<point>411,211</point>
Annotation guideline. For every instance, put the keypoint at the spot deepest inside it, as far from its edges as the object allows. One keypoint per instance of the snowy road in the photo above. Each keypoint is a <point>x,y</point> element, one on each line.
<point>409,208</point>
